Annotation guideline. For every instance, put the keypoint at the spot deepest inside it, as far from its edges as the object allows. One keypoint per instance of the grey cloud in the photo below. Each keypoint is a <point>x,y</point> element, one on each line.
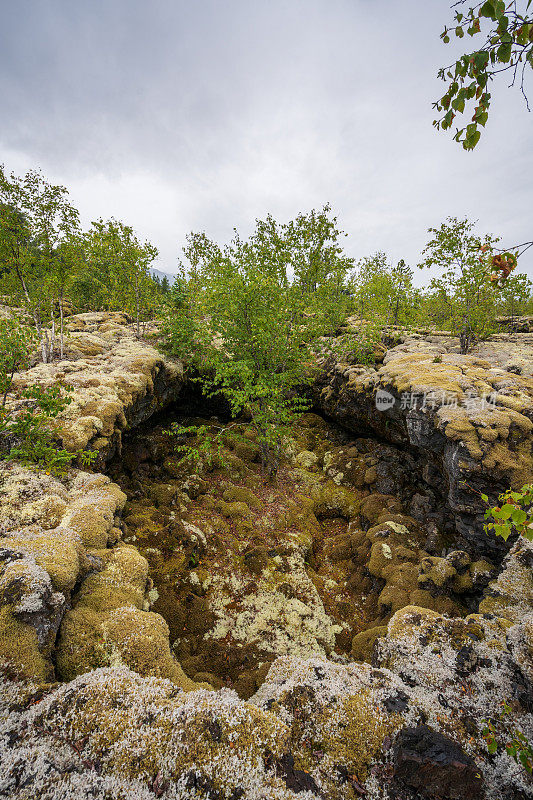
<point>205,115</point>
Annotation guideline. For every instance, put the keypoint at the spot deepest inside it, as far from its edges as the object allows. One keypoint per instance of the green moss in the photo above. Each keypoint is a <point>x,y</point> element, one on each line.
<point>19,648</point>
<point>80,647</point>
<point>391,599</point>
<point>363,643</point>
<point>233,510</point>
<point>359,739</point>
<point>438,571</point>
<point>441,603</point>
<point>241,494</point>
<point>163,494</point>
<point>331,500</point>
<point>247,451</point>
<point>381,557</point>
<point>373,506</point>
<point>140,641</point>
<point>256,559</point>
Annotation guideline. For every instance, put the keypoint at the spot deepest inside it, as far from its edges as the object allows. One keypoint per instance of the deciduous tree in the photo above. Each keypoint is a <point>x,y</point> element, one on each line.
<point>504,32</point>
<point>463,288</point>
<point>37,222</point>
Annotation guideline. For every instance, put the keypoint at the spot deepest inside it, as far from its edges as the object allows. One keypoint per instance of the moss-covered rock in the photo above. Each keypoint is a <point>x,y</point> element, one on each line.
<point>241,494</point>
<point>58,551</point>
<point>20,651</point>
<point>363,643</point>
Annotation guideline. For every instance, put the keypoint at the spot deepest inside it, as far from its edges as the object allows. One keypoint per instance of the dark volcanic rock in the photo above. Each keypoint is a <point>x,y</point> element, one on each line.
<point>466,422</point>
<point>435,766</point>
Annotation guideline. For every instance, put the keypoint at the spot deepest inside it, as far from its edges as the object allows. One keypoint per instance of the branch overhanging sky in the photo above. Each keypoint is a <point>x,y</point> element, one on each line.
<point>175,116</point>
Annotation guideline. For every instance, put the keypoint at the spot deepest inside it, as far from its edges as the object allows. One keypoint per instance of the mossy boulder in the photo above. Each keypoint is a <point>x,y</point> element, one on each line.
<point>233,510</point>
<point>95,503</point>
<point>247,451</point>
<point>20,651</point>
<point>58,551</point>
<point>163,494</point>
<point>344,465</point>
<point>375,505</point>
<point>241,494</point>
<point>306,459</point>
<point>331,500</point>
<point>140,641</point>
<point>363,643</point>
<point>256,559</point>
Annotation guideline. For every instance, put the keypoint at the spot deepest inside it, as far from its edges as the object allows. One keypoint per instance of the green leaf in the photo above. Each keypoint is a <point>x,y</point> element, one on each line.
<point>522,35</point>
<point>503,53</point>
<point>506,511</point>
<point>447,120</point>
<point>519,516</point>
<point>503,23</point>
<point>487,10</point>
<point>459,32</point>
<point>481,59</point>
<point>502,530</point>
<point>459,104</point>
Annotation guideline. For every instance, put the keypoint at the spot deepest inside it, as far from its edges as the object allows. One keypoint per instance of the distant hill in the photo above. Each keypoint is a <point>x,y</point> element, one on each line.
<point>157,273</point>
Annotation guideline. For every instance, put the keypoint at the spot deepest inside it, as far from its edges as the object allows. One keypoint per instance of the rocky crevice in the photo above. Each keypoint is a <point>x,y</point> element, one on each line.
<point>339,603</point>
<point>465,420</point>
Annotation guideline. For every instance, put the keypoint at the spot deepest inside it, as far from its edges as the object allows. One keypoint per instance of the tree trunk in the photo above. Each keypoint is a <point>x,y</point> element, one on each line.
<point>45,347</point>
<point>35,314</point>
<point>61,334</point>
<point>52,331</point>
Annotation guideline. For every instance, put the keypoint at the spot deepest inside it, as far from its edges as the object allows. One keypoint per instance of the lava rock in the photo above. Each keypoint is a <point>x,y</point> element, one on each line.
<point>295,779</point>
<point>435,766</point>
<point>397,703</point>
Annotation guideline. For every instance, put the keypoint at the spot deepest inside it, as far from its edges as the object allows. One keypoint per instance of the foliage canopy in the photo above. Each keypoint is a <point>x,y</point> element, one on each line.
<point>507,32</point>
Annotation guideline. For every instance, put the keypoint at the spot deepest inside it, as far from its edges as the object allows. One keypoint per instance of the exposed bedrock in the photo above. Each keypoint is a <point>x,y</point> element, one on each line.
<point>219,638</point>
<point>465,420</point>
<point>118,380</point>
<point>462,424</point>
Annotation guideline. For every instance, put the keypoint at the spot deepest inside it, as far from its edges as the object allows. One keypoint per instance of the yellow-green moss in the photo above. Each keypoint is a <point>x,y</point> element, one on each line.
<point>241,494</point>
<point>140,640</point>
<point>360,739</point>
<point>19,648</point>
<point>233,510</point>
<point>363,643</point>
<point>56,551</point>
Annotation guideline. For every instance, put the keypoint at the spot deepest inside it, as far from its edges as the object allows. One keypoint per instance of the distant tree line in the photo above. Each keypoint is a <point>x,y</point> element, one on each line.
<point>48,264</point>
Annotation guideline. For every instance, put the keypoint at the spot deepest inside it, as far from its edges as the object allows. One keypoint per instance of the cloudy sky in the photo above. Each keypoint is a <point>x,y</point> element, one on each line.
<point>177,115</point>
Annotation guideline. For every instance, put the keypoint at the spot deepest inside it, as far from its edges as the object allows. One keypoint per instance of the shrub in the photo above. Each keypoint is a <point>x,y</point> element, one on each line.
<point>16,343</point>
<point>514,514</point>
<point>26,432</point>
<point>516,744</point>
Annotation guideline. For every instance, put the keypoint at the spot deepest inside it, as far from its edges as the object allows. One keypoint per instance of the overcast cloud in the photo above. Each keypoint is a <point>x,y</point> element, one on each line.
<point>204,115</point>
